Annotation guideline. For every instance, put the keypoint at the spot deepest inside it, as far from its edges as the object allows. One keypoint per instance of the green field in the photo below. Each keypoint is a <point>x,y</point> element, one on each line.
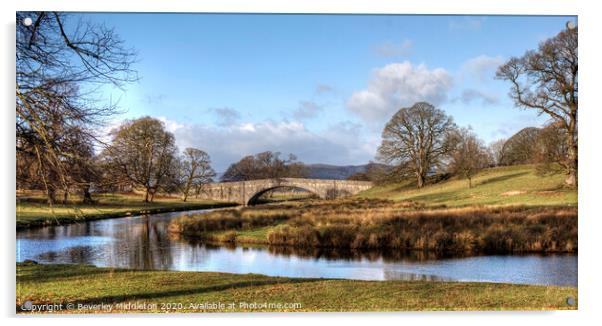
<point>513,185</point>
<point>88,285</point>
<point>35,212</point>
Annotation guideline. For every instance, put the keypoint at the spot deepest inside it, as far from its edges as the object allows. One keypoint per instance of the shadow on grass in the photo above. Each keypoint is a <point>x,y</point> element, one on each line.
<point>503,178</point>
<point>51,273</point>
<point>437,198</point>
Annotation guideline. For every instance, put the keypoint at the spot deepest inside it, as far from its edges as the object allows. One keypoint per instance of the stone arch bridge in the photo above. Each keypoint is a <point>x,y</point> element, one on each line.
<point>247,192</point>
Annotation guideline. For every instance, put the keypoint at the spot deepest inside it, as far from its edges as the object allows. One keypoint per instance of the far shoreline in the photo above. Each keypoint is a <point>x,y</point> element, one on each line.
<point>58,220</point>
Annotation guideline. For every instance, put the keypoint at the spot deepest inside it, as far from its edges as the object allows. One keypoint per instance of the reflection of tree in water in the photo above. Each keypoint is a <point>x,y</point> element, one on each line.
<point>150,247</point>
<point>403,276</point>
<point>160,245</point>
<point>48,232</point>
<point>156,248</point>
<point>78,255</point>
<point>321,252</point>
<point>353,254</point>
<point>57,232</point>
<point>195,251</point>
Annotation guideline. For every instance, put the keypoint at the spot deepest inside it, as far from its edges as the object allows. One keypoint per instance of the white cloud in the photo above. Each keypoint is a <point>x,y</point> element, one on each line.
<point>390,49</point>
<point>482,68</point>
<point>170,125</point>
<point>470,95</point>
<point>226,116</point>
<point>307,110</point>
<point>399,85</point>
<point>338,144</point>
<point>478,72</point>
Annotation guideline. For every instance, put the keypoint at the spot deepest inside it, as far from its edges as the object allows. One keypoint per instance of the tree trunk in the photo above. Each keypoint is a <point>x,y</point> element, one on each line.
<point>87,197</point>
<point>146,195</point>
<point>51,194</point>
<point>152,194</point>
<point>187,189</point>
<point>571,179</point>
<point>65,197</point>
<point>469,183</point>
<point>420,180</point>
<point>189,183</point>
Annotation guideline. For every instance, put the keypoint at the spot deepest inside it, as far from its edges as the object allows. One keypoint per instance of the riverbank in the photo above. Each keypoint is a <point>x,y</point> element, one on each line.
<point>384,224</point>
<point>122,290</point>
<point>34,212</point>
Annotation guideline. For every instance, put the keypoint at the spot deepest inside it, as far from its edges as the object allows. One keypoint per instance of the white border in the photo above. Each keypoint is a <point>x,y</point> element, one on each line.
<point>551,7</point>
<point>589,191</point>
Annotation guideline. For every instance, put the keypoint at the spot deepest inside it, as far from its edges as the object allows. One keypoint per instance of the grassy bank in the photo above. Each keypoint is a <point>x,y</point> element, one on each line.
<point>33,211</point>
<point>512,185</point>
<point>509,210</point>
<point>88,285</point>
<point>383,224</point>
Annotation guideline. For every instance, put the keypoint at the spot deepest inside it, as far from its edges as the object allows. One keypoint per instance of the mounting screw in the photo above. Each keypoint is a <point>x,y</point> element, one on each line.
<point>27,305</point>
<point>570,301</point>
<point>570,25</point>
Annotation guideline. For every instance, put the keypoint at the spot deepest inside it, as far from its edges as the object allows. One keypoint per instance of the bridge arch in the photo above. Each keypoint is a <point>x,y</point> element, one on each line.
<point>243,191</point>
<point>255,199</point>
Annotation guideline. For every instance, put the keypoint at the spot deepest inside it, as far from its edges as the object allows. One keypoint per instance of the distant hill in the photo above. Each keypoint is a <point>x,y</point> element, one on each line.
<point>327,171</point>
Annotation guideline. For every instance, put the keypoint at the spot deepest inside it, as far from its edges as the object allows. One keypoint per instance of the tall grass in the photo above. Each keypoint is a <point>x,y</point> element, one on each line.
<point>223,220</point>
<point>382,224</point>
<point>469,230</point>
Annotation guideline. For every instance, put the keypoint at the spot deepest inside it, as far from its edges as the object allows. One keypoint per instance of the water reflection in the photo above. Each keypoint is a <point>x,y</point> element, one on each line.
<point>353,254</point>
<point>144,243</point>
<point>396,275</point>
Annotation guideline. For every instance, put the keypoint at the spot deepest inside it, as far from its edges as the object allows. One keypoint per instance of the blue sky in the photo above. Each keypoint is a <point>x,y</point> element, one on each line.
<point>319,86</point>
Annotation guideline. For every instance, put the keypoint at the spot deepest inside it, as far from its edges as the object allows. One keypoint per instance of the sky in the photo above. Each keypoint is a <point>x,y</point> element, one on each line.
<point>319,86</point>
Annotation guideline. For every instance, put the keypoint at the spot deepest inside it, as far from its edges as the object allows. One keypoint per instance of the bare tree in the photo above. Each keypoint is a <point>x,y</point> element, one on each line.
<point>55,61</point>
<point>142,153</point>
<point>245,169</point>
<point>417,139</point>
<point>546,80</point>
<point>195,170</point>
<point>521,147</point>
<point>551,153</point>
<point>84,170</point>
<point>496,151</point>
<point>469,155</point>
<point>75,153</point>
<point>265,165</point>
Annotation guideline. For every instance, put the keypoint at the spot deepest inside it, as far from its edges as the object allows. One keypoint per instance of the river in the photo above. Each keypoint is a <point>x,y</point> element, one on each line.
<point>142,242</point>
